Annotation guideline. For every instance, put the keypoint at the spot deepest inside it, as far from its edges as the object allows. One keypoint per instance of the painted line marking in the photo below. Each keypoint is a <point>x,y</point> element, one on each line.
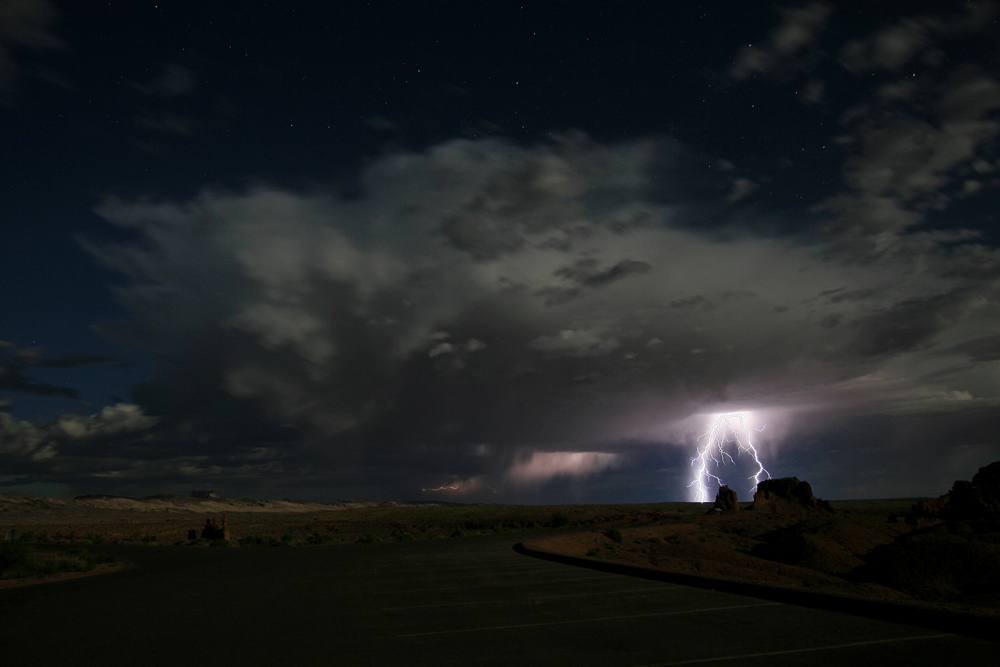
<point>470,555</point>
<point>533,599</point>
<point>469,576</point>
<point>828,647</point>
<point>452,588</point>
<point>588,620</point>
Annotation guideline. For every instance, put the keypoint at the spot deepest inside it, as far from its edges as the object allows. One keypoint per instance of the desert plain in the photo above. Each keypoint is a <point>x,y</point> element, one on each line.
<point>871,549</point>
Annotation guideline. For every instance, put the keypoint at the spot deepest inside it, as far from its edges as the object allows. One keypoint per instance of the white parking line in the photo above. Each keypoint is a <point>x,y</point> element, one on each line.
<point>533,599</point>
<point>587,620</point>
<point>519,583</point>
<point>828,647</point>
<point>492,573</point>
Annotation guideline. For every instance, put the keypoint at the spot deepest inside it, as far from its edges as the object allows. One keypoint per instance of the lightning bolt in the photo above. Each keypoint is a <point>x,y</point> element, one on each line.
<point>458,487</point>
<point>714,452</point>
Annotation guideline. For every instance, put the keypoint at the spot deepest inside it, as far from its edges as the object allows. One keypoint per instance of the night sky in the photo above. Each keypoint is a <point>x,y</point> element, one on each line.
<point>486,252</point>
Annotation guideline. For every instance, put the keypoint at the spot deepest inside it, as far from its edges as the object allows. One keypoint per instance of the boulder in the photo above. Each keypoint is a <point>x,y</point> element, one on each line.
<point>787,493</point>
<point>726,500</point>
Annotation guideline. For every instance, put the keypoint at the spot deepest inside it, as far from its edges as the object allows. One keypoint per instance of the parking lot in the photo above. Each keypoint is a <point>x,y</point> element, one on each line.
<point>442,602</point>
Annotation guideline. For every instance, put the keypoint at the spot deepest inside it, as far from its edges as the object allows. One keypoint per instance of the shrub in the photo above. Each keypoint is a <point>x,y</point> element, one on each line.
<point>17,561</point>
<point>255,541</point>
<point>559,520</point>
<point>614,535</point>
<point>288,540</point>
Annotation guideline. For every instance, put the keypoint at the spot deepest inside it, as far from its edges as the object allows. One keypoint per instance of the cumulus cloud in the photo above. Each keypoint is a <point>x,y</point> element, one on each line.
<point>799,27</point>
<point>24,442</point>
<point>906,166</point>
<point>898,44</point>
<point>914,139</point>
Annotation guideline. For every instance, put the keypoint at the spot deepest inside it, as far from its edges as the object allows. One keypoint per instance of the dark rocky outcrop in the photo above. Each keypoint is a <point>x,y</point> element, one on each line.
<point>786,493</point>
<point>213,531</point>
<point>726,500</point>
<point>978,500</point>
<point>953,554</point>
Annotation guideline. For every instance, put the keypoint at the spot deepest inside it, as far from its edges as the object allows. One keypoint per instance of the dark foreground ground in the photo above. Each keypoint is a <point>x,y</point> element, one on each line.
<point>472,601</point>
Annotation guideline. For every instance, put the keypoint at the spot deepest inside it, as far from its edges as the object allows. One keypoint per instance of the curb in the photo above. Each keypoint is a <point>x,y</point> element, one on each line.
<point>955,622</point>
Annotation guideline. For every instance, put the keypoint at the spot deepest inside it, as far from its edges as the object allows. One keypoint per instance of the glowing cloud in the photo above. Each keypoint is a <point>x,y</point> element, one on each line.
<point>543,466</point>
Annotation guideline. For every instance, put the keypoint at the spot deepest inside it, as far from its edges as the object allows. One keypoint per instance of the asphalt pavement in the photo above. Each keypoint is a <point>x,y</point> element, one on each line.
<point>464,601</point>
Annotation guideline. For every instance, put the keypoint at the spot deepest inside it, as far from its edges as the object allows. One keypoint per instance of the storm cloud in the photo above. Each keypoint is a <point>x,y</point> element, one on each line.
<point>486,295</point>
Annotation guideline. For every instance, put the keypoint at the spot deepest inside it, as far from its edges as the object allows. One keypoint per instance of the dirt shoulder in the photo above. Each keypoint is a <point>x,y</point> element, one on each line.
<point>805,551</point>
<point>103,568</point>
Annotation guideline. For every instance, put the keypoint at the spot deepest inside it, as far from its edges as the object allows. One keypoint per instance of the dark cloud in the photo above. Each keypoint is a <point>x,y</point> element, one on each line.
<point>25,25</point>
<point>32,357</point>
<point>162,121</point>
<point>842,295</point>
<point>908,325</point>
<point>482,238</point>
<point>830,321</point>
<point>586,273</point>
<point>689,302</point>
<point>984,349</point>
<point>174,80</point>
<point>14,360</point>
<point>12,379</point>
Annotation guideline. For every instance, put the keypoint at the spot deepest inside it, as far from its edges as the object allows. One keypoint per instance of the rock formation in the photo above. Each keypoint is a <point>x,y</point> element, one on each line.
<point>213,531</point>
<point>787,493</point>
<point>726,500</point>
<point>967,501</point>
